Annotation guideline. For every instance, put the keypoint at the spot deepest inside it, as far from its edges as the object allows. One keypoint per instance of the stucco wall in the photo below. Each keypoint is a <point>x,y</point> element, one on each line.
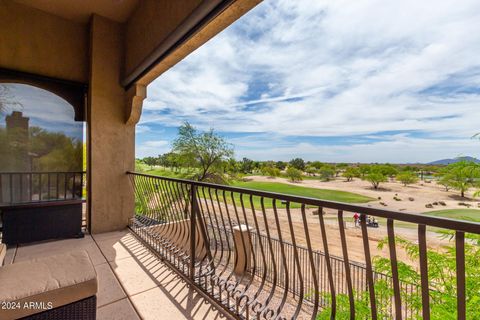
<point>112,142</point>
<point>37,42</point>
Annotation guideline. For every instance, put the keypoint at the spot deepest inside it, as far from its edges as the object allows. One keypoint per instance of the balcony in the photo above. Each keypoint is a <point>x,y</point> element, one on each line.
<point>264,255</point>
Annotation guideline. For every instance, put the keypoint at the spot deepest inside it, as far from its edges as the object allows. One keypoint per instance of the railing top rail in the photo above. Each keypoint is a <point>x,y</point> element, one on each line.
<point>38,172</point>
<point>440,222</point>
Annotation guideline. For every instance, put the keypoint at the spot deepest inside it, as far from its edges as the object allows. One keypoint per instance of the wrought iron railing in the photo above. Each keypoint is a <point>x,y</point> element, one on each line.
<point>264,255</point>
<point>22,187</point>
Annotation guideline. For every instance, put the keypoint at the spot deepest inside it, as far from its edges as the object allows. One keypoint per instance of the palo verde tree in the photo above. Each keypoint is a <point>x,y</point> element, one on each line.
<point>350,173</point>
<point>207,150</point>
<point>375,176</point>
<point>326,173</point>
<point>407,178</point>
<point>311,170</point>
<point>461,176</point>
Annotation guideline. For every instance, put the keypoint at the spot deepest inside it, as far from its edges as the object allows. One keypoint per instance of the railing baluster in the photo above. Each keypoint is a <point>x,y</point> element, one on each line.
<point>11,187</point>
<point>460,263</point>
<point>394,266</point>
<point>422,244</point>
<point>65,184</point>
<point>193,228</point>
<point>264,262</point>
<point>312,263</point>
<point>57,185</point>
<point>328,263</point>
<point>369,270</point>
<point>31,186</point>
<point>346,262</point>
<point>270,247</point>
<point>1,188</point>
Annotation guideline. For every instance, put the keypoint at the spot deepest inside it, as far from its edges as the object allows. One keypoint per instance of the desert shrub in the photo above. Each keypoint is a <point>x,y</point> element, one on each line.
<point>270,171</point>
<point>294,174</point>
<point>326,173</point>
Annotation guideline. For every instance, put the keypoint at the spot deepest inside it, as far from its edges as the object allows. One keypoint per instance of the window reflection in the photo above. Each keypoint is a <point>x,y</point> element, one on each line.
<point>38,134</point>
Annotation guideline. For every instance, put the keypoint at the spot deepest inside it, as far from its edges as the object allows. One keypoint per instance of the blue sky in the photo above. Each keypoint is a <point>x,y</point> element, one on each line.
<point>340,81</point>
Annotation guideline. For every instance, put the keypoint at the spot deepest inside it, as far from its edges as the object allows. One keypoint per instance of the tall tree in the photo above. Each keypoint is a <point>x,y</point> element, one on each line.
<point>246,165</point>
<point>150,161</point>
<point>206,149</point>
<point>298,163</point>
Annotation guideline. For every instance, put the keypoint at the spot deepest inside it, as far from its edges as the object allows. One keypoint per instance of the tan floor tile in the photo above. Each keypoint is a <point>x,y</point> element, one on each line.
<point>138,275</point>
<point>183,303</point>
<point>42,249</point>
<point>115,248</point>
<point>109,290</point>
<point>120,310</point>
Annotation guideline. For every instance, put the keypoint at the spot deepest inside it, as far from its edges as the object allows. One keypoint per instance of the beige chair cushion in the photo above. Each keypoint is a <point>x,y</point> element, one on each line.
<point>3,252</point>
<point>52,281</point>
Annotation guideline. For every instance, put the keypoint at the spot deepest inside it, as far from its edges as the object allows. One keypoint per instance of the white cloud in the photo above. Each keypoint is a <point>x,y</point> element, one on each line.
<point>395,149</point>
<point>333,68</point>
<point>151,148</point>
<point>142,129</point>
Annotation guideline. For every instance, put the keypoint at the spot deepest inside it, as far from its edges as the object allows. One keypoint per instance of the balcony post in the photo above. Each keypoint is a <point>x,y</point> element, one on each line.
<point>243,251</point>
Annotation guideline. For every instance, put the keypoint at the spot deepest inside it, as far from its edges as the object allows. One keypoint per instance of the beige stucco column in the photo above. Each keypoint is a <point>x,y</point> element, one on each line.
<point>111,139</point>
<point>243,252</point>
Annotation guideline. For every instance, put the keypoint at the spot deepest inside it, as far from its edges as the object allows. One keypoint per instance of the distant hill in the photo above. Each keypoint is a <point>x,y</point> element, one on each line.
<point>449,161</point>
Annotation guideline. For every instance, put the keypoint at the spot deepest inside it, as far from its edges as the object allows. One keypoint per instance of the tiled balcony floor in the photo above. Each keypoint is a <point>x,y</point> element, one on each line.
<point>133,284</point>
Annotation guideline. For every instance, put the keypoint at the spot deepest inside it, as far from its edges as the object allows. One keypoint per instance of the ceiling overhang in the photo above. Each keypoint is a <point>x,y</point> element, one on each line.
<point>81,10</point>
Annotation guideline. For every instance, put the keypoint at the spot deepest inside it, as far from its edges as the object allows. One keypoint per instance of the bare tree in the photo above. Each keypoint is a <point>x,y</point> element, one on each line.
<point>7,100</point>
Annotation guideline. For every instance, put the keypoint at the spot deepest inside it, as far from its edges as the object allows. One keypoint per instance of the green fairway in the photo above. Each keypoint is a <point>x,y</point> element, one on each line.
<point>459,214</point>
<point>323,194</point>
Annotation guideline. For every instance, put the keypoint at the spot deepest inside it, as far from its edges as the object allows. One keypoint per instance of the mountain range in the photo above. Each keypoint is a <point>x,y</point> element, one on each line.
<point>454,160</point>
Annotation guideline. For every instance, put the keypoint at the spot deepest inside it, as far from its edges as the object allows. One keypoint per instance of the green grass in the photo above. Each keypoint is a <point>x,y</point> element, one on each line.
<point>169,173</point>
<point>459,214</point>
<point>322,194</point>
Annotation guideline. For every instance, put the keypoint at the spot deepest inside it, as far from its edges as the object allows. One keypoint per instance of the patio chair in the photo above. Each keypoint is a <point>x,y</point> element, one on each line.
<point>62,286</point>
